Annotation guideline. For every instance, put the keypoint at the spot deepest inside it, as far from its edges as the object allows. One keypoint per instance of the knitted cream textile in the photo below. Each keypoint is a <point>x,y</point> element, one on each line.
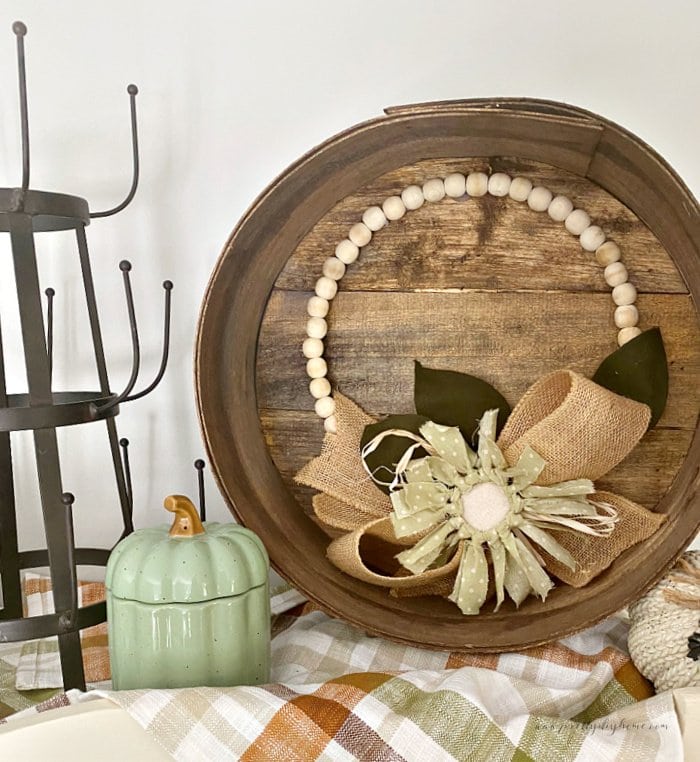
<point>660,628</point>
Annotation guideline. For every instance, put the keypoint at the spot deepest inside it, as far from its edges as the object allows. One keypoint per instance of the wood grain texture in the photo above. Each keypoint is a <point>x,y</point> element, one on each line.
<point>508,338</point>
<point>643,476</point>
<point>485,243</point>
<point>351,168</point>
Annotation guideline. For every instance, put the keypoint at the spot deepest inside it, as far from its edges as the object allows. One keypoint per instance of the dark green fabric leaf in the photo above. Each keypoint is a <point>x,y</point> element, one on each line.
<point>638,370</point>
<point>456,399</point>
<point>383,460</point>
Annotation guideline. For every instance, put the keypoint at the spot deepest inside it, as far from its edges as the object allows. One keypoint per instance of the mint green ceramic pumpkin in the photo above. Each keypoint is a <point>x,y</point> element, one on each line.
<point>188,605</point>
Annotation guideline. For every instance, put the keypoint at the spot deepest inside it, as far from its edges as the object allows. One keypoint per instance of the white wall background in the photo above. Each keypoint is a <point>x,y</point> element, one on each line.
<point>231,93</point>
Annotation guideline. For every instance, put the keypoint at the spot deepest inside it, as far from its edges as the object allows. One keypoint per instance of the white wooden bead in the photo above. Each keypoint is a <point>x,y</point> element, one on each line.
<point>624,294</point>
<point>615,274</point>
<point>317,307</point>
<point>626,316</point>
<point>592,237</point>
<point>577,222</point>
<point>312,348</point>
<point>412,197</point>
<point>627,334</point>
<point>539,199</point>
<point>499,184</point>
<point>316,367</point>
<point>374,218</point>
<point>434,190</point>
<point>560,208</point>
<point>330,424</point>
<point>477,184</point>
<point>360,234</point>
<point>316,327</point>
<point>520,189</point>
<point>324,407</point>
<point>394,208</point>
<point>455,185</point>
<point>347,251</point>
<point>608,253</point>
<point>319,387</point>
<point>326,288</point>
<point>333,268</point>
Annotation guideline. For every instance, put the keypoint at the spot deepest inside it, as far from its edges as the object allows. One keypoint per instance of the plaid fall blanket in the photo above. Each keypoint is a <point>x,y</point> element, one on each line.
<point>339,694</point>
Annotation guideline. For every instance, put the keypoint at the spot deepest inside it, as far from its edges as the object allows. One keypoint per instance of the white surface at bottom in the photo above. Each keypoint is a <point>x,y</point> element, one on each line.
<point>82,732</point>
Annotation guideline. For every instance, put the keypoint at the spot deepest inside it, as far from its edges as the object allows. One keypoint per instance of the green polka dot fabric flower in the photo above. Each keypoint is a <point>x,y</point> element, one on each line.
<point>457,496</point>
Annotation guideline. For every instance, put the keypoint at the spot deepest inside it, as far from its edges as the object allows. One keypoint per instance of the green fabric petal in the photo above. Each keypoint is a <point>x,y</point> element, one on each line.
<point>498,557</point>
<point>449,444</point>
<point>526,471</point>
<point>423,496</point>
<point>563,489</point>
<point>418,558</point>
<point>536,576</point>
<point>472,581</point>
<point>490,456</point>
<point>418,471</point>
<point>515,581</point>
<point>556,506</point>
<point>418,522</point>
<point>442,471</point>
<point>546,541</point>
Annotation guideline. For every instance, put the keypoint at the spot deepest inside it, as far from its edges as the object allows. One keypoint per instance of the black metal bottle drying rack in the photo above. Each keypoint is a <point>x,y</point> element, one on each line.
<point>23,213</point>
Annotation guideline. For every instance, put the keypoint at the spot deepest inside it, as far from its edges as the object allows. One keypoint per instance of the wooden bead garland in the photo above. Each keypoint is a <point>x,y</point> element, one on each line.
<point>312,347</point>
<point>374,218</point>
<point>608,253</point>
<point>347,251</point>
<point>326,288</point>
<point>626,316</point>
<point>539,199</point>
<point>316,327</point>
<point>434,190</point>
<point>316,367</point>
<point>320,387</point>
<point>360,234</point>
<point>615,274</point>
<point>393,208</point>
<point>333,268</point>
<point>591,238</point>
<point>456,185</point>
<point>577,222</point>
<point>412,197</point>
<point>317,307</point>
<point>477,184</point>
<point>499,184</point>
<point>624,294</point>
<point>520,189</point>
<point>560,208</point>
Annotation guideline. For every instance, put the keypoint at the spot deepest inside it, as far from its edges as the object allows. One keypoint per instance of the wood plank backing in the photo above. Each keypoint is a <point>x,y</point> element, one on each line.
<point>644,476</point>
<point>508,338</point>
<point>486,287</point>
<point>481,243</point>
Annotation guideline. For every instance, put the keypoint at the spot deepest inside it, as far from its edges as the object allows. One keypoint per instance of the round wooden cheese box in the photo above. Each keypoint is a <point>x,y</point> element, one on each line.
<point>490,288</point>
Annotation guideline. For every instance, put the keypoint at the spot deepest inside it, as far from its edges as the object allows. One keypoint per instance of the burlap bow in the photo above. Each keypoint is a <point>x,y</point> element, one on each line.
<point>575,430</point>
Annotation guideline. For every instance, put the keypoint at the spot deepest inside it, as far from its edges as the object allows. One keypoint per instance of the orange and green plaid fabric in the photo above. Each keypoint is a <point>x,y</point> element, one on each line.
<point>339,694</point>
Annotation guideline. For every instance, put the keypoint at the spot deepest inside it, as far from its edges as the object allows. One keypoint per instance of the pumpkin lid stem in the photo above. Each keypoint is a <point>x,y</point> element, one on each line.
<point>186,523</point>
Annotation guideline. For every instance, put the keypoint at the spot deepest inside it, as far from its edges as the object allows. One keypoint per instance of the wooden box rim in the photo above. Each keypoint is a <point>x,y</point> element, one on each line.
<point>558,134</point>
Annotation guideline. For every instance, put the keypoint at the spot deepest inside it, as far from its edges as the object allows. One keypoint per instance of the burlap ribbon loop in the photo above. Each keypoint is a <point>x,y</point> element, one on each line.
<point>580,430</point>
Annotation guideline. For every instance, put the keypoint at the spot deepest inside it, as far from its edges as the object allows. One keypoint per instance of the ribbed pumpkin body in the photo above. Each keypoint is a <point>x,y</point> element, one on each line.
<point>188,611</point>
